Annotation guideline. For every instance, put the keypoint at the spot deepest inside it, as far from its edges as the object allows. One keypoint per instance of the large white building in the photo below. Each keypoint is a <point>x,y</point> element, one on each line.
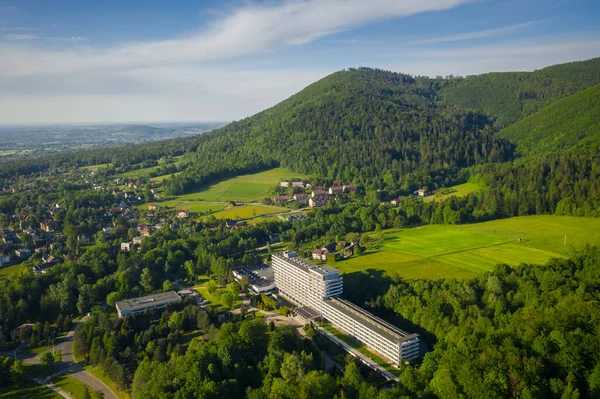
<point>319,288</point>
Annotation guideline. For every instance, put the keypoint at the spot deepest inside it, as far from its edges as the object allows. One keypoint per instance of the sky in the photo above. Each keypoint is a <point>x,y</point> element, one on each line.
<point>72,61</point>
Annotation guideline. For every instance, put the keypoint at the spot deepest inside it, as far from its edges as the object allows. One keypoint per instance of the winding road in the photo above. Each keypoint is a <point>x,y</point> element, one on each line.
<point>67,365</point>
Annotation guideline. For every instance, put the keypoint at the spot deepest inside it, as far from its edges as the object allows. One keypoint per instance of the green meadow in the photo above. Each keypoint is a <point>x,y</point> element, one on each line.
<point>464,251</point>
<point>460,190</point>
<point>248,211</point>
<point>245,188</point>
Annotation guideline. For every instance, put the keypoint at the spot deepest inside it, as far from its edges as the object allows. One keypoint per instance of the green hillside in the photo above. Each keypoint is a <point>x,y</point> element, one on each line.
<point>570,123</point>
<point>510,96</point>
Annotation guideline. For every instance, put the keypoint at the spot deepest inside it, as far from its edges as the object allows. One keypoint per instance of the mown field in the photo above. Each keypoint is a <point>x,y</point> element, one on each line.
<point>12,270</point>
<point>28,390</point>
<point>460,190</point>
<point>246,188</point>
<point>248,211</point>
<point>464,251</point>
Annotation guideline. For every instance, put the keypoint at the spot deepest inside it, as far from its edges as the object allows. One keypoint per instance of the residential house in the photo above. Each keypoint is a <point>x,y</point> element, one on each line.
<point>349,187</point>
<point>319,194</point>
<point>137,240</point>
<point>145,233</point>
<point>297,184</point>
<point>320,254</point>
<point>23,253</point>
<point>153,207</point>
<point>335,190</point>
<point>284,184</point>
<point>274,238</point>
<point>125,246</point>
<point>281,199</point>
<point>317,202</point>
<point>4,259</point>
<point>422,192</point>
<point>49,226</point>
<point>83,239</point>
<point>395,202</point>
<point>231,204</point>
<point>182,214</point>
<point>300,197</point>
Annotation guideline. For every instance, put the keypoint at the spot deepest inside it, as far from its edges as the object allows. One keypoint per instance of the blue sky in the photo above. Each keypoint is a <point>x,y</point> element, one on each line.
<point>151,60</point>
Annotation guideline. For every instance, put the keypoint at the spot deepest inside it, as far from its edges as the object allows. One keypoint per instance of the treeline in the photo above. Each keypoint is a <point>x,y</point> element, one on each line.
<point>522,332</point>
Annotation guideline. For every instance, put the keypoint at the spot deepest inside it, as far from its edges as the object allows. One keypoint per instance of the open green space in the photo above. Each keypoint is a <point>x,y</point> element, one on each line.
<point>28,390</point>
<point>159,179</point>
<point>246,188</point>
<point>460,190</point>
<point>98,373</point>
<point>98,166</point>
<point>248,211</point>
<point>463,251</point>
<point>72,386</point>
<point>12,270</point>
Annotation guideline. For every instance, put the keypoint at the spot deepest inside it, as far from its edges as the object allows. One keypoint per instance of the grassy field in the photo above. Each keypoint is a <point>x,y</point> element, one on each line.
<point>98,373</point>
<point>247,211</point>
<point>72,386</point>
<point>464,251</point>
<point>159,179</point>
<point>246,188</point>
<point>98,166</point>
<point>28,390</point>
<point>460,190</point>
<point>12,270</point>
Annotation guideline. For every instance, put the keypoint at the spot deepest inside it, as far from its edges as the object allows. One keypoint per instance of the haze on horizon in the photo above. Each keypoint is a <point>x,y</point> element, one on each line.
<point>148,61</point>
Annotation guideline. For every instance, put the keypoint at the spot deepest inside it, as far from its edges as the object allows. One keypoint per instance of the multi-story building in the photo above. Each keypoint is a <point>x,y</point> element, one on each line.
<point>128,307</point>
<point>319,288</point>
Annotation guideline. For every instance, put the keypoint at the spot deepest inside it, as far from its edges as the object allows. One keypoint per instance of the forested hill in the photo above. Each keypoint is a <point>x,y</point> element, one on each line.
<point>511,96</point>
<point>568,124</point>
<point>364,125</point>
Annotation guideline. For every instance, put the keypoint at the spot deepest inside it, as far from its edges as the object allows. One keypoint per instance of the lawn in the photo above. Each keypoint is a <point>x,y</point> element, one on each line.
<point>463,251</point>
<point>246,188</point>
<point>248,211</point>
<point>72,386</point>
<point>460,190</point>
<point>159,179</point>
<point>28,390</point>
<point>214,299</point>
<point>98,166</point>
<point>12,270</point>
<point>98,373</point>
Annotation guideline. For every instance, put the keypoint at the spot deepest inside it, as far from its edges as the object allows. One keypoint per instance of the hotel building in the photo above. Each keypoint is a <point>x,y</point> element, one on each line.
<point>319,288</point>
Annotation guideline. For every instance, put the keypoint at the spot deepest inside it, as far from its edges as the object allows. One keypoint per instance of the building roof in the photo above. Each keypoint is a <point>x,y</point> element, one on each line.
<point>281,197</point>
<point>301,195</point>
<point>370,321</point>
<point>149,301</point>
<point>305,265</point>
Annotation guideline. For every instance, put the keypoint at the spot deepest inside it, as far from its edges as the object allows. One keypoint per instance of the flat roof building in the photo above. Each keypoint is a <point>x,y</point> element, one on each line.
<point>128,307</point>
<point>317,289</point>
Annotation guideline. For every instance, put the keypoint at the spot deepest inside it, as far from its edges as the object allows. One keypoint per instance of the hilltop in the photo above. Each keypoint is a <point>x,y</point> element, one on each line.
<point>569,124</point>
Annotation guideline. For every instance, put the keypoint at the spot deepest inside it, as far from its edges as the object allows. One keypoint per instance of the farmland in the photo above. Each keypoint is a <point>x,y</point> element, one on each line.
<point>460,190</point>
<point>245,188</point>
<point>464,251</point>
<point>248,211</point>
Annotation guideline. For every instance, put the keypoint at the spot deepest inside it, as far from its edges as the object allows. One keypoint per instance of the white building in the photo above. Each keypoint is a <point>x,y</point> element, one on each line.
<point>139,305</point>
<point>319,288</point>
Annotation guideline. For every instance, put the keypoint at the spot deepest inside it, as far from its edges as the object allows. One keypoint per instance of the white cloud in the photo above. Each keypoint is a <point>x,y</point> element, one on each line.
<point>477,34</point>
<point>19,36</point>
<point>248,30</point>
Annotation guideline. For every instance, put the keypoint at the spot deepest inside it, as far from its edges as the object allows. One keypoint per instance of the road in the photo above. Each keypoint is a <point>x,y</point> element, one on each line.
<point>68,365</point>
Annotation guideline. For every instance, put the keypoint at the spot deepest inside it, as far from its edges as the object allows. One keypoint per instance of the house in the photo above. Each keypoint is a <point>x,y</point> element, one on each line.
<point>330,247</point>
<point>23,253</point>
<point>395,202</point>
<point>145,233</point>
<point>320,254</point>
<point>274,238</point>
<point>335,190</point>
<point>317,202</point>
<point>349,187</point>
<point>137,240</point>
<point>154,191</point>
<point>300,197</point>
<point>319,193</point>
<point>83,239</point>
<point>231,204</point>
<point>49,259</point>
<point>281,199</point>
<point>337,182</point>
<point>48,226</point>
<point>153,207</point>
<point>297,184</point>
<point>55,246</point>
<point>422,192</point>
<point>284,184</point>
<point>125,246</point>
<point>182,214</point>
<point>4,259</point>
<point>40,250</point>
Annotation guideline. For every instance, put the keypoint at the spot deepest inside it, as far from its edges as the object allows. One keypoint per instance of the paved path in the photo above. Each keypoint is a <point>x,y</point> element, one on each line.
<point>68,366</point>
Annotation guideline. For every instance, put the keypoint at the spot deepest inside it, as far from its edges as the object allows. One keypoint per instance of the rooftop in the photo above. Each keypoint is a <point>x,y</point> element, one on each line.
<point>305,265</point>
<point>370,321</point>
<point>149,301</point>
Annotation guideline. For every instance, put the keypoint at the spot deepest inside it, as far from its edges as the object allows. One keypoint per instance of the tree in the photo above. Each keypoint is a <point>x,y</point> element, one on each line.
<point>168,286</point>
<point>211,286</point>
<point>234,289</point>
<point>47,359</point>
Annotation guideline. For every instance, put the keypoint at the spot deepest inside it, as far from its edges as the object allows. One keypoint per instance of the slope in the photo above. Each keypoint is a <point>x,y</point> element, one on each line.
<point>572,123</point>
<point>510,96</point>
